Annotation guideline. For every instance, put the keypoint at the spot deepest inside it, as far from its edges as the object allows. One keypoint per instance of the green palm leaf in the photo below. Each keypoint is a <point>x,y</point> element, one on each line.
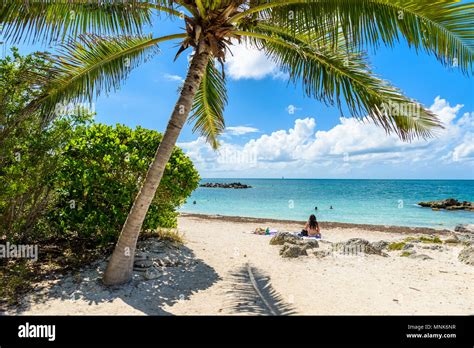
<point>330,74</point>
<point>92,65</point>
<point>209,103</point>
<point>53,20</point>
<point>444,28</point>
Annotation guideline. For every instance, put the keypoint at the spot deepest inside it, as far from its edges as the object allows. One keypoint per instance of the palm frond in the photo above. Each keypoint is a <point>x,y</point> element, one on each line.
<point>209,103</point>
<point>330,74</point>
<point>92,65</point>
<point>54,20</point>
<point>251,293</point>
<point>444,28</point>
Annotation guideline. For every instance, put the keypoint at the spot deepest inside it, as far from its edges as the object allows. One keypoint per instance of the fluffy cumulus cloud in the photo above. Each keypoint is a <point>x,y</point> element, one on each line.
<point>247,62</point>
<point>283,145</point>
<point>352,148</point>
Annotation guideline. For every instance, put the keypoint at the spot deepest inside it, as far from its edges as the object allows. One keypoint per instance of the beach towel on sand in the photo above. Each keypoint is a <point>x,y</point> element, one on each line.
<point>298,234</point>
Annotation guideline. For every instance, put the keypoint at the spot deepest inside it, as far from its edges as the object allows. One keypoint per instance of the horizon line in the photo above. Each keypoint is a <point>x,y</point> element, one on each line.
<point>283,178</point>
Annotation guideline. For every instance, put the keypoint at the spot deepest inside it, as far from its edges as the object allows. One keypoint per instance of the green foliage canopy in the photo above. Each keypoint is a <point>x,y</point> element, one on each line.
<point>75,178</point>
<point>102,172</point>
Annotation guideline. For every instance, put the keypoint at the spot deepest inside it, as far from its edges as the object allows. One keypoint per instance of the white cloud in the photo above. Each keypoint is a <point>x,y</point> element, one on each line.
<point>283,145</point>
<point>247,62</point>
<point>349,148</point>
<point>240,130</point>
<point>170,77</point>
<point>445,112</point>
<point>465,150</point>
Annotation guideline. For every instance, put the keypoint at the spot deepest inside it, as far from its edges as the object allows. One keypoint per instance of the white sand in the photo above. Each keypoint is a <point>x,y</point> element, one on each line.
<point>337,284</point>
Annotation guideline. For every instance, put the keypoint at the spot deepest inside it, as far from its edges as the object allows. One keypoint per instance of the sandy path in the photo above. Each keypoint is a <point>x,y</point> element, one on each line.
<point>337,284</point>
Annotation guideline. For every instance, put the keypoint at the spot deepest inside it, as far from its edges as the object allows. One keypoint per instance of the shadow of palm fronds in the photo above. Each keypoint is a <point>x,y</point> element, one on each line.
<point>251,293</point>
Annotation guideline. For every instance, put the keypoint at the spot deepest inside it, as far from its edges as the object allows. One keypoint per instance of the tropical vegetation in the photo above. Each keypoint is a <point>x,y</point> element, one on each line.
<point>318,43</point>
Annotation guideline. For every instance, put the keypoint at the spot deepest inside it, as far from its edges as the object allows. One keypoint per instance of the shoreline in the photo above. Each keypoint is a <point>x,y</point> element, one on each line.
<point>324,224</point>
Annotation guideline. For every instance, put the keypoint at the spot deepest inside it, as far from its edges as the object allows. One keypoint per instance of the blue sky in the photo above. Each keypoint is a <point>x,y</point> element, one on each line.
<point>264,139</point>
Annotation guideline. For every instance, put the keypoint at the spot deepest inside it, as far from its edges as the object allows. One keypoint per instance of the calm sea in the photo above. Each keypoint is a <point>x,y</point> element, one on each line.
<point>380,202</point>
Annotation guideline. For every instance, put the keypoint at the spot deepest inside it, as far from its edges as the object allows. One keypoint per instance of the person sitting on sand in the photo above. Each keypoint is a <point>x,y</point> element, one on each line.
<point>311,229</point>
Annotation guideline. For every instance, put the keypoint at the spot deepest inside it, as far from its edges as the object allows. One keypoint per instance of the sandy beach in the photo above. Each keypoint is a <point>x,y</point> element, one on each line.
<point>201,276</point>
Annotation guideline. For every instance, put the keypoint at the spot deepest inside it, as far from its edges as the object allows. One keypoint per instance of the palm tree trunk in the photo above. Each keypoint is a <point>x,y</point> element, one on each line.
<point>120,267</point>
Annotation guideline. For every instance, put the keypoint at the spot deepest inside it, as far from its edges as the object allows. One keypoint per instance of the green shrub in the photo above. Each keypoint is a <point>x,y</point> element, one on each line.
<point>171,235</point>
<point>73,178</point>
<point>102,171</point>
<point>434,239</point>
<point>396,246</point>
<point>29,153</point>
<point>15,280</point>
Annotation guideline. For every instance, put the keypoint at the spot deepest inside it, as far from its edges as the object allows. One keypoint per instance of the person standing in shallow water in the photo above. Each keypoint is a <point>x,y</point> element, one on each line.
<point>311,228</point>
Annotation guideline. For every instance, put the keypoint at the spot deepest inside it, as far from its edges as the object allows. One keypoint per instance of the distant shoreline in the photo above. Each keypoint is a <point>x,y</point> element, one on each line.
<point>324,224</point>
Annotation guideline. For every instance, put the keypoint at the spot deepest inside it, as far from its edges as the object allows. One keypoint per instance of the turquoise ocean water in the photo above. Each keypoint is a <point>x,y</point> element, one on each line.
<point>378,202</point>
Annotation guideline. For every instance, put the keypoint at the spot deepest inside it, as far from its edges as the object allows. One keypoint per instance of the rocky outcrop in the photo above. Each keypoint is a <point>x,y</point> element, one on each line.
<point>432,247</point>
<point>356,246</point>
<point>468,228</point>
<point>284,237</point>
<point>320,253</point>
<point>152,258</point>
<point>380,245</point>
<point>448,204</point>
<point>422,257</point>
<point>233,185</point>
<point>467,255</point>
<point>293,246</point>
<point>293,250</point>
<point>453,239</point>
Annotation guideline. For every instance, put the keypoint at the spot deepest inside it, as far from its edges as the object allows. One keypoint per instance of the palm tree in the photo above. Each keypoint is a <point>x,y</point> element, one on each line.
<point>319,43</point>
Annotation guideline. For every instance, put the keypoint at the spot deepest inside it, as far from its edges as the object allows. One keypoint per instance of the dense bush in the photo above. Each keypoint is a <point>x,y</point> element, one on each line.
<point>26,164</point>
<point>75,178</point>
<point>102,171</point>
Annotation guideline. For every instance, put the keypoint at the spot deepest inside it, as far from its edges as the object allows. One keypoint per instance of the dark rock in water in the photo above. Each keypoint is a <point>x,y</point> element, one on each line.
<point>467,255</point>
<point>408,246</point>
<point>292,250</point>
<point>284,237</point>
<point>448,204</point>
<point>233,185</point>
<point>469,228</point>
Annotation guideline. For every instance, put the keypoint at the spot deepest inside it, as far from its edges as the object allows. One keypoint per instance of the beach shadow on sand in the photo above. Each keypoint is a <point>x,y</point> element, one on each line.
<point>177,282</point>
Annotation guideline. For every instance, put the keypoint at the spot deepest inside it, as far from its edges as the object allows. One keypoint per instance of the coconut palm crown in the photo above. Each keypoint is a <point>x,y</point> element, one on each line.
<point>318,43</point>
